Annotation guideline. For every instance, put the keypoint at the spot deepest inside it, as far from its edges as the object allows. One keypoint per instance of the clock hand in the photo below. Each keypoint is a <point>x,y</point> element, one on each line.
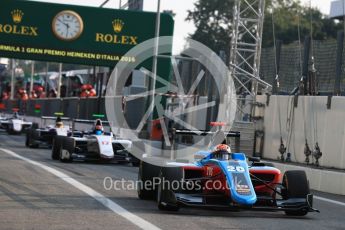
<point>63,22</point>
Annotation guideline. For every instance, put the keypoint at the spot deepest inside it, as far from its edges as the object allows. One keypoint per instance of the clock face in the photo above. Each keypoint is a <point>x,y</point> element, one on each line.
<point>67,25</point>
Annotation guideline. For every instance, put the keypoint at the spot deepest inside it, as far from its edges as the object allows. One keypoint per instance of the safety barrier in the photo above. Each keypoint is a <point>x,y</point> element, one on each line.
<point>82,108</point>
<point>315,118</point>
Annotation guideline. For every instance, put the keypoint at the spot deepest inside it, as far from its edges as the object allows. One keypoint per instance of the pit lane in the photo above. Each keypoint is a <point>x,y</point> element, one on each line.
<point>31,198</point>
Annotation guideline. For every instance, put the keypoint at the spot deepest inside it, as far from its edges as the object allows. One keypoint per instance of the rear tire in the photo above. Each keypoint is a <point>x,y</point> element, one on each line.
<point>269,164</point>
<point>135,161</point>
<point>297,186</point>
<point>29,140</point>
<point>146,175</point>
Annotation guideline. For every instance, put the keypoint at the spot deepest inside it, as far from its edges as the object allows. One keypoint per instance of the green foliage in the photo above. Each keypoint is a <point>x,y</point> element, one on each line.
<point>213,19</point>
<point>288,17</point>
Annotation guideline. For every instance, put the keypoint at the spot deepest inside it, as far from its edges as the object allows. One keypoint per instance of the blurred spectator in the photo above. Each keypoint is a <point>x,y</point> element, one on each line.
<point>43,95</point>
<point>5,96</point>
<point>33,94</point>
<point>87,90</point>
<point>40,91</point>
<point>22,94</point>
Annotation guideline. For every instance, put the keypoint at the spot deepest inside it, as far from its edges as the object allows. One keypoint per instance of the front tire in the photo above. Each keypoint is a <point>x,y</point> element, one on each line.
<point>67,149</point>
<point>27,140</point>
<point>296,186</point>
<point>65,156</point>
<point>56,148</point>
<point>166,200</point>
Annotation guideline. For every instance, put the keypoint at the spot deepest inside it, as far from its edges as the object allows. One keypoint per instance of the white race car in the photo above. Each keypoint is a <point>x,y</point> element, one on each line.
<point>92,145</point>
<point>16,124</point>
<point>44,136</point>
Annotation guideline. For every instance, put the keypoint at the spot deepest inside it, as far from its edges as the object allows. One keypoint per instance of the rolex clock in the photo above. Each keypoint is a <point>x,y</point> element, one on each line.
<point>67,25</point>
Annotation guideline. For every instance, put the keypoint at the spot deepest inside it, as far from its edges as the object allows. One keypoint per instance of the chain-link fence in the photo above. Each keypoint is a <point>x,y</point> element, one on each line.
<point>291,62</point>
<point>325,56</point>
<point>342,79</point>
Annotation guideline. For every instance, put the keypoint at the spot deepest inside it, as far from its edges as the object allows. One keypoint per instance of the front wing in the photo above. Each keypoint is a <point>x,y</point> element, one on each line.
<point>198,201</point>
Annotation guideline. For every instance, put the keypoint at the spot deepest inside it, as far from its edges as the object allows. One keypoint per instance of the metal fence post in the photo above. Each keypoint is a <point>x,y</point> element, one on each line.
<point>340,47</point>
<point>306,63</point>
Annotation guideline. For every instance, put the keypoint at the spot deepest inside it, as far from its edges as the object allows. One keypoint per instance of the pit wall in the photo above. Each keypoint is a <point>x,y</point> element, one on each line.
<point>42,123</point>
<point>81,108</point>
<point>324,125</point>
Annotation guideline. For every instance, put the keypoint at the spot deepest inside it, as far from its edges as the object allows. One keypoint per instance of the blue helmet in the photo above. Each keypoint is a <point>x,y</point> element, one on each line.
<point>98,127</point>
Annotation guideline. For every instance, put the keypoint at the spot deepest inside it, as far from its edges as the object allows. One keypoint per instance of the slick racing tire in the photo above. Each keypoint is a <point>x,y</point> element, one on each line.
<point>296,186</point>
<point>67,148</point>
<point>170,183</point>
<point>28,141</point>
<point>56,148</point>
<point>146,177</point>
<point>135,161</point>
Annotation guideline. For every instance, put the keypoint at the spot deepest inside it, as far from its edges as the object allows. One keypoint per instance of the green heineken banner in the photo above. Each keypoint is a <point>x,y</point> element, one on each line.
<point>74,34</point>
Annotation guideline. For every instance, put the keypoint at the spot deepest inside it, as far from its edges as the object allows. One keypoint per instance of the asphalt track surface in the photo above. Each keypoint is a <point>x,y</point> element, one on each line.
<point>75,198</point>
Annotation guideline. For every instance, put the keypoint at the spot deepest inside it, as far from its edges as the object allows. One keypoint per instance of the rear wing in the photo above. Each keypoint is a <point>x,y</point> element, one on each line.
<point>218,135</point>
<point>54,118</point>
<point>90,121</point>
<point>87,122</point>
<point>44,118</point>
<point>205,132</point>
<point>96,116</point>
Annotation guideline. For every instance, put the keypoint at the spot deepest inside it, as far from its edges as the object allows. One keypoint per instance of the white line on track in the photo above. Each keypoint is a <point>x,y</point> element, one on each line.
<point>107,202</point>
<point>138,221</point>
<point>329,200</point>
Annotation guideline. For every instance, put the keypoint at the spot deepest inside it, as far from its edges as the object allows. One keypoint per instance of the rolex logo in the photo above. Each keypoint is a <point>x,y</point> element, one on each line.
<point>17,15</point>
<point>118,25</point>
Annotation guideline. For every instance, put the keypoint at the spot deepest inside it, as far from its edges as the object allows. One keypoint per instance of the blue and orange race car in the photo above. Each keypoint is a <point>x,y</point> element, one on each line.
<point>225,180</point>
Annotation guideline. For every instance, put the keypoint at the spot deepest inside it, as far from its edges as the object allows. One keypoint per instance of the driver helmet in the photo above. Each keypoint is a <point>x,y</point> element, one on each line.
<point>58,122</point>
<point>98,127</point>
<point>15,115</point>
<point>222,151</point>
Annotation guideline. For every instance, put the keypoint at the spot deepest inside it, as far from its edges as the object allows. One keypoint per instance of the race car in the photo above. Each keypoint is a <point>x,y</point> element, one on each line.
<point>93,145</point>
<point>36,137</point>
<point>3,118</point>
<point>15,124</point>
<point>222,179</point>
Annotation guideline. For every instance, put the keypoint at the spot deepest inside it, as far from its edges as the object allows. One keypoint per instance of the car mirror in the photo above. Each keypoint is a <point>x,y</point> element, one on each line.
<point>254,159</point>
